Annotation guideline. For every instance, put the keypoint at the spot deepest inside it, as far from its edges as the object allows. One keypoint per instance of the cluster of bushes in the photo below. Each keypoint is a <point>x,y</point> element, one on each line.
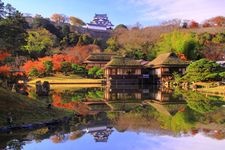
<point>95,72</point>
<point>57,63</point>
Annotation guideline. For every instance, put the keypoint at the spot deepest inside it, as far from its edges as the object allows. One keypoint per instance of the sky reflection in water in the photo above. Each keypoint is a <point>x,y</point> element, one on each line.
<point>135,141</point>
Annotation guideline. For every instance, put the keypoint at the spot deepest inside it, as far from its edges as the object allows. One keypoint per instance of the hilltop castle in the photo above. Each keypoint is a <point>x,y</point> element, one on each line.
<point>100,22</point>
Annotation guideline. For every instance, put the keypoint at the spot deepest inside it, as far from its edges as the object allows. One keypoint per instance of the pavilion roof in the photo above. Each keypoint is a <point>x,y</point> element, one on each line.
<point>100,56</point>
<point>118,61</point>
<point>167,59</point>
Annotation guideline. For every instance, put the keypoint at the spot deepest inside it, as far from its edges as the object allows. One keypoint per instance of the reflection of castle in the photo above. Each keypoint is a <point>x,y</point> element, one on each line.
<point>100,133</point>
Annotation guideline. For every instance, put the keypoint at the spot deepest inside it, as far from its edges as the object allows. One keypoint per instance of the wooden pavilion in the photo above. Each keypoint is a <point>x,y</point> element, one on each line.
<point>161,69</point>
<point>122,70</point>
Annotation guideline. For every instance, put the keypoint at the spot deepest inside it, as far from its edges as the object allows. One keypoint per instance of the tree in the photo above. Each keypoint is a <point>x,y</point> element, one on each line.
<point>40,22</point>
<point>112,44</point>
<point>212,46</point>
<point>179,42</point>
<point>217,21</point>
<point>59,18</point>
<point>4,70</point>
<point>121,26</point>
<point>4,55</point>
<point>65,30</point>
<point>48,67</point>
<point>34,72</point>
<point>203,70</point>
<point>193,24</point>
<point>76,21</point>
<point>100,73</point>
<point>39,41</point>
<point>84,40</point>
<point>78,69</point>
<point>95,72</point>
<point>201,103</point>
<point>13,32</point>
<point>65,67</point>
<point>219,38</point>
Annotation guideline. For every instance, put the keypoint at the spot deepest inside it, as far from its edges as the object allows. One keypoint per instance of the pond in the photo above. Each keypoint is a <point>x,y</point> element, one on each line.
<point>127,118</point>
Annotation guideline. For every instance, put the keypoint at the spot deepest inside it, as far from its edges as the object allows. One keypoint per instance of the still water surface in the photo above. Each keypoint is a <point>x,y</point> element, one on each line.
<point>128,118</point>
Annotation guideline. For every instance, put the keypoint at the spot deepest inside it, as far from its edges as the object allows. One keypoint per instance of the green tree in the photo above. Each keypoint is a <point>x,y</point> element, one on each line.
<point>219,38</point>
<point>202,104</point>
<point>203,70</point>
<point>34,72</point>
<point>13,32</point>
<point>179,42</point>
<point>77,69</point>
<point>100,73</point>
<point>65,30</point>
<point>84,40</point>
<point>121,26</point>
<point>112,44</point>
<point>39,41</point>
<point>40,22</point>
<point>94,72</point>
<point>48,67</point>
<point>65,67</point>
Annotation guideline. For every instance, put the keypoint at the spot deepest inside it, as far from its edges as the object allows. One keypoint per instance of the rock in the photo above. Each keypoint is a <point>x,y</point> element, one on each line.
<point>45,88</point>
<point>42,89</point>
<point>38,88</point>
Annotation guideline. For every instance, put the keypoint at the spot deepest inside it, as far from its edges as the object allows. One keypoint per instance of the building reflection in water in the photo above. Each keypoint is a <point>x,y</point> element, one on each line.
<point>100,133</point>
<point>136,93</point>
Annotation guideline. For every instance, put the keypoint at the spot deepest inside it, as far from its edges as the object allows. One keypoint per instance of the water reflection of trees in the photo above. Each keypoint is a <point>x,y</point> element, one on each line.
<point>170,116</point>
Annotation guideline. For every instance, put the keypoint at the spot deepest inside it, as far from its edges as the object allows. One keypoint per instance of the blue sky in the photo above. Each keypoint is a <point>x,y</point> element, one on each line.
<point>128,12</point>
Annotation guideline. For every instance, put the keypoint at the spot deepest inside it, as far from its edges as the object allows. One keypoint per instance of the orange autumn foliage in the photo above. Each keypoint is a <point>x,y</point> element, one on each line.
<point>218,21</point>
<point>4,55</point>
<point>79,107</point>
<point>29,65</point>
<point>194,24</point>
<point>56,59</point>
<point>4,70</point>
<point>57,102</point>
<point>182,56</point>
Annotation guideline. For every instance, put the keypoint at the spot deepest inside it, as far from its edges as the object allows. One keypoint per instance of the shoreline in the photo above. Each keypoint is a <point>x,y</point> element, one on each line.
<point>67,81</point>
<point>34,125</point>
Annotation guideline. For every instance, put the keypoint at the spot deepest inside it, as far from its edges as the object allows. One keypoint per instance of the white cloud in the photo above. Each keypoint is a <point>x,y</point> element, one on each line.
<point>198,10</point>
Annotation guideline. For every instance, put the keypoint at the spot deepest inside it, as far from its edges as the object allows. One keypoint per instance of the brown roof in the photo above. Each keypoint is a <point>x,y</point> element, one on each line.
<point>167,59</point>
<point>118,61</point>
<point>100,56</point>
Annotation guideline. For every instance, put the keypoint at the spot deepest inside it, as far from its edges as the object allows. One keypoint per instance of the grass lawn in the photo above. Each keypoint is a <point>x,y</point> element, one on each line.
<point>71,79</point>
<point>25,110</point>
